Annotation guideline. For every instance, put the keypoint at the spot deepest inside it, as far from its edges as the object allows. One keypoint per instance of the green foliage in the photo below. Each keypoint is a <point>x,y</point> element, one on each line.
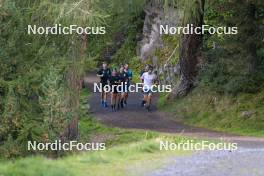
<point>223,80</point>
<point>34,101</point>
<point>227,64</point>
<point>53,103</point>
<point>36,97</point>
<point>128,49</point>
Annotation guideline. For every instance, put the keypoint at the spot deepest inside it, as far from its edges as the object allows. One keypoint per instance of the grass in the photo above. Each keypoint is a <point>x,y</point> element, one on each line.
<point>206,109</point>
<point>126,159</point>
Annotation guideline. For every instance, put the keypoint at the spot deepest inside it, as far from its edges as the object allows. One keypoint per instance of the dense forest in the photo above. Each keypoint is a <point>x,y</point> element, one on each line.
<point>217,80</point>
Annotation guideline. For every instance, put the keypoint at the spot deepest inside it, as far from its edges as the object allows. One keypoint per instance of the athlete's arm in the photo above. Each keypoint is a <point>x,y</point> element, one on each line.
<point>99,73</point>
<point>130,75</point>
<point>142,77</point>
<point>156,81</point>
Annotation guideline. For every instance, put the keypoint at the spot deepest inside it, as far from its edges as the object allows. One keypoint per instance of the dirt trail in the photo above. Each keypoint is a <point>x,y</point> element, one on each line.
<point>135,117</point>
<point>242,162</point>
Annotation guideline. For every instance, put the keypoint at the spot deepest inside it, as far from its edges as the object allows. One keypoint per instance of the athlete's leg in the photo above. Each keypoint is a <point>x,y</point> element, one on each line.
<point>149,99</point>
<point>145,99</point>
<point>125,98</point>
<point>122,99</point>
<point>148,102</point>
<point>115,100</point>
<point>105,99</point>
<point>118,99</point>
<point>126,93</point>
<point>102,98</point>
<point>112,100</point>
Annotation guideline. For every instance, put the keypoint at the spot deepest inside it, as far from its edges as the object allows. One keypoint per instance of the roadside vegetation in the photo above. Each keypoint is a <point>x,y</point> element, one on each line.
<point>126,151</point>
<point>242,114</point>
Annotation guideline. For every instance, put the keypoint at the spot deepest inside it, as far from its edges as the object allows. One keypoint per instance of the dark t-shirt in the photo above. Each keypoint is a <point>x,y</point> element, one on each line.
<point>106,74</point>
<point>114,80</point>
<point>129,74</point>
<point>124,77</point>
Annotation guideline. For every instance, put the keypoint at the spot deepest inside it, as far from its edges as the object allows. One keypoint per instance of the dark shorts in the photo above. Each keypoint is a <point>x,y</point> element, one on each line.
<point>103,84</point>
<point>147,91</point>
<point>125,88</point>
<point>115,90</point>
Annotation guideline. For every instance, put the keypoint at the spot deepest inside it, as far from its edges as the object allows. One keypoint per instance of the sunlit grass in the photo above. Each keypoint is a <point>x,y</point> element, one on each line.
<point>127,159</point>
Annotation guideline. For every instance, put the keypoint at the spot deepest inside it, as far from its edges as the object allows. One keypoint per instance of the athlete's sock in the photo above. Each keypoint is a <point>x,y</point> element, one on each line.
<point>105,104</point>
<point>143,103</point>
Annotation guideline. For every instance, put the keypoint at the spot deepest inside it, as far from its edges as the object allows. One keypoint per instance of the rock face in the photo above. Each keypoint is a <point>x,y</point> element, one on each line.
<point>155,16</point>
<point>151,37</point>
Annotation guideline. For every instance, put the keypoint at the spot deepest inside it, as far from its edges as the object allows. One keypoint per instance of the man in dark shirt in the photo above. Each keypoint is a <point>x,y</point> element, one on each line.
<point>124,80</point>
<point>129,74</point>
<point>104,73</point>
<point>114,82</point>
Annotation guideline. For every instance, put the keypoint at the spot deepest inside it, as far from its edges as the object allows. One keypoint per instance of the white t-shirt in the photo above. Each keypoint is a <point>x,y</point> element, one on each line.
<point>148,79</point>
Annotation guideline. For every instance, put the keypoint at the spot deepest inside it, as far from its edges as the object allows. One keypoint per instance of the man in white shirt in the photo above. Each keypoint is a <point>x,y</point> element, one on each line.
<point>149,79</point>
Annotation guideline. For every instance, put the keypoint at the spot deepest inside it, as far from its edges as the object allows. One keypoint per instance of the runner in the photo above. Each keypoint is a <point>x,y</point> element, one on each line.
<point>146,68</point>
<point>149,79</point>
<point>114,82</point>
<point>124,81</point>
<point>130,75</point>
<point>104,73</point>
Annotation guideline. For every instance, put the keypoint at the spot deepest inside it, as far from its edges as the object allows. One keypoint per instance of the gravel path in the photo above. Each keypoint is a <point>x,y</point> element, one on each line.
<point>242,162</point>
<point>135,117</point>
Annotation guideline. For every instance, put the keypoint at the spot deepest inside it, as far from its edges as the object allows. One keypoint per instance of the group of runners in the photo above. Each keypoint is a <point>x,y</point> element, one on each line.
<point>123,77</point>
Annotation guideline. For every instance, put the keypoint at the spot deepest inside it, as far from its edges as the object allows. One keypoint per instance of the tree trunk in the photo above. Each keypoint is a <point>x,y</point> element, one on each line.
<point>74,79</point>
<point>75,85</point>
<point>190,50</point>
<point>73,82</point>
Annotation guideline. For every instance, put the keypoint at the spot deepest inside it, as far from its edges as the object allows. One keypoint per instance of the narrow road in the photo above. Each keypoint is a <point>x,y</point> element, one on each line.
<point>247,160</point>
<point>135,117</point>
